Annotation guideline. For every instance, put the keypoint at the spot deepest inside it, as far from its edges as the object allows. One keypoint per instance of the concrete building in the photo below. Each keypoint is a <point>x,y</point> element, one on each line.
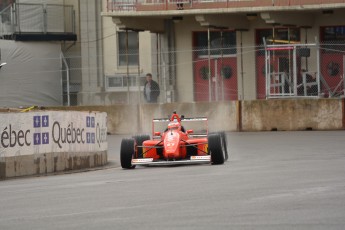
<point>98,59</point>
<point>233,65</point>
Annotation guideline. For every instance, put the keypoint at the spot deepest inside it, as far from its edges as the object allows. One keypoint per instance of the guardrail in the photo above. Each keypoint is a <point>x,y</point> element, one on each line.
<point>153,5</point>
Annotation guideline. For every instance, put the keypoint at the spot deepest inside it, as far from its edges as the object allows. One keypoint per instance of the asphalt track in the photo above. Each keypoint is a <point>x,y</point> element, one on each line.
<point>273,180</point>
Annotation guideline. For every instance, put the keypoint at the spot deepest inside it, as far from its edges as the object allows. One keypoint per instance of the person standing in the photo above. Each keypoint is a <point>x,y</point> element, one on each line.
<point>151,89</point>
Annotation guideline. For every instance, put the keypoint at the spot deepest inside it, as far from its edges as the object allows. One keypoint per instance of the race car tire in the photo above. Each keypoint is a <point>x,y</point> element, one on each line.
<point>139,140</point>
<point>127,152</point>
<point>224,145</point>
<point>215,148</point>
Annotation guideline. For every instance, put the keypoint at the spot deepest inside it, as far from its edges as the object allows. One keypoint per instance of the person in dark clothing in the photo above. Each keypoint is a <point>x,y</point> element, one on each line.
<point>151,89</point>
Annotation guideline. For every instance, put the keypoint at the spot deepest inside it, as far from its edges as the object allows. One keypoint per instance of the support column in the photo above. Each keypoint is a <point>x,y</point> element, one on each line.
<point>91,52</point>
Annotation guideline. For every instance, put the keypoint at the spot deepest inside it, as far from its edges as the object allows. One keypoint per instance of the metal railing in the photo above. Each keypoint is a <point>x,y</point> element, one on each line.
<point>37,18</point>
<point>147,5</point>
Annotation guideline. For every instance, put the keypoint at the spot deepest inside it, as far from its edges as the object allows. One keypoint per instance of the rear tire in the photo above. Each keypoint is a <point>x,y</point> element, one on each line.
<point>127,153</point>
<point>224,145</point>
<point>215,148</point>
<point>139,140</point>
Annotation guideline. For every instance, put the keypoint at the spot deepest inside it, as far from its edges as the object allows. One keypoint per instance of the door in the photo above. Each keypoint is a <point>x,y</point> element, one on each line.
<point>332,66</point>
<point>223,79</point>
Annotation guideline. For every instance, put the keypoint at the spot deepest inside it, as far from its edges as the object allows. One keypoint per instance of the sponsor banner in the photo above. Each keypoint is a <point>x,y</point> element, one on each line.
<point>52,131</point>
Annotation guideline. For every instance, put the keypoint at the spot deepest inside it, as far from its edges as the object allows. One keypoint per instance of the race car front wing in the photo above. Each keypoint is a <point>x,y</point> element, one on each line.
<point>192,160</point>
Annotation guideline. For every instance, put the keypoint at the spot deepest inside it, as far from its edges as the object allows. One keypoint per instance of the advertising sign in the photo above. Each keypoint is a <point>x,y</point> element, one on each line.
<point>52,132</point>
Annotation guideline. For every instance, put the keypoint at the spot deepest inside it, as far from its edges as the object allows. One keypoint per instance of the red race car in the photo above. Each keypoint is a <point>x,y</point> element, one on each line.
<point>175,145</point>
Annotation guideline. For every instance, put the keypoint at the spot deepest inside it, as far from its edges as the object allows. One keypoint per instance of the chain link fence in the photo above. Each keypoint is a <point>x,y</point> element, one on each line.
<point>223,74</point>
<point>217,74</point>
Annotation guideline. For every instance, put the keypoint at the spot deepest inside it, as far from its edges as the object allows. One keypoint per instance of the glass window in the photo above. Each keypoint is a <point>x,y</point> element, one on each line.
<point>281,35</point>
<point>222,43</point>
<point>333,39</point>
<point>133,48</point>
<point>333,33</point>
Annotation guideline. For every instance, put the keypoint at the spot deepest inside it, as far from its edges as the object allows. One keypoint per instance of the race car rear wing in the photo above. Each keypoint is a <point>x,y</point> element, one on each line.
<point>202,131</point>
<point>182,119</point>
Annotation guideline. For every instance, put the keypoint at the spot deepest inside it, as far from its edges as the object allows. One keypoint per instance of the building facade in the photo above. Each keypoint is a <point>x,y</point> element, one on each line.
<point>229,50</point>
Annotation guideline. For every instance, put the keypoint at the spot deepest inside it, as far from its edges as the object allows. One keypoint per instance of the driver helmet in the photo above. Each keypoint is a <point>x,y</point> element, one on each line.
<point>173,125</point>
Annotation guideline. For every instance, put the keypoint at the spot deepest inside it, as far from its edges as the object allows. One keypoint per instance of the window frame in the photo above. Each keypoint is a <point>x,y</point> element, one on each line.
<point>119,65</point>
<point>196,48</point>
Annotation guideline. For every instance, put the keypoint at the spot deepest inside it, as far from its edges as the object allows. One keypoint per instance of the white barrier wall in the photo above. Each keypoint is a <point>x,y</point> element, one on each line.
<point>47,132</point>
<point>59,134</point>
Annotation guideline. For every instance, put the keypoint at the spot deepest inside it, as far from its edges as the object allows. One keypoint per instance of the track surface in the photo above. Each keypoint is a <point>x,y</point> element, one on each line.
<point>273,180</point>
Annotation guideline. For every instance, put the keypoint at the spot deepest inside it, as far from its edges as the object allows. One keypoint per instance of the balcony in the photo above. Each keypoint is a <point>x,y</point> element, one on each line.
<point>168,5</point>
<point>38,22</point>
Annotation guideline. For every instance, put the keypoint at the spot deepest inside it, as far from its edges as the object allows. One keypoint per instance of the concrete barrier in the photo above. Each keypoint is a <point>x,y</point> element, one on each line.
<point>132,119</point>
<point>42,142</point>
<point>23,155</point>
<point>221,115</point>
<point>258,115</point>
<point>292,114</point>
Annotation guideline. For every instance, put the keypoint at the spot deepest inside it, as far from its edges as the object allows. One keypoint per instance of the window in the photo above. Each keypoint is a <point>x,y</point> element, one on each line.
<point>281,35</point>
<point>333,33</point>
<point>133,49</point>
<point>222,43</point>
<point>120,82</point>
<point>333,38</point>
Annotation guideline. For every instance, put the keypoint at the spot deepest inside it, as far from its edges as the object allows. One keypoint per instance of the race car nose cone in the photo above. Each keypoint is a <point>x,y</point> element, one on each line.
<point>171,145</point>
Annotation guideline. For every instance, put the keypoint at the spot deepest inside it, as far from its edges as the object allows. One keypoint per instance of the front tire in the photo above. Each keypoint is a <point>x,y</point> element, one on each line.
<point>127,153</point>
<point>215,148</point>
<point>139,140</point>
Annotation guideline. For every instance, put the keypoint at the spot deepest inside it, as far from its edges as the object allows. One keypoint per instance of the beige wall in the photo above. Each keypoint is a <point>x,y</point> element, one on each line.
<point>249,79</point>
<point>184,58</point>
<point>99,56</point>
<point>147,59</point>
<point>146,49</point>
<point>110,48</point>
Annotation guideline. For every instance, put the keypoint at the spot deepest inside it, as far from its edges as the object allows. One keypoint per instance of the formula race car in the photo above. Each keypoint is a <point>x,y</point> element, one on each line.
<point>175,145</point>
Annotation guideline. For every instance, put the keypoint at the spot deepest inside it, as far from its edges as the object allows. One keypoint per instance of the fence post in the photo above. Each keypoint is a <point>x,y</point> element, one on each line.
<point>209,65</point>
<point>239,115</point>
<point>343,111</point>
<point>318,61</point>
<point>67,79</point>
<point>294,70</point>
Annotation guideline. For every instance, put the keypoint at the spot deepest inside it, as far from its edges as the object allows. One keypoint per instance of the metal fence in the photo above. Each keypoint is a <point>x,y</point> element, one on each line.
<point>218,74</point>
<point>224,74</point>
<point>303,70</point>
<point>37,18</point>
